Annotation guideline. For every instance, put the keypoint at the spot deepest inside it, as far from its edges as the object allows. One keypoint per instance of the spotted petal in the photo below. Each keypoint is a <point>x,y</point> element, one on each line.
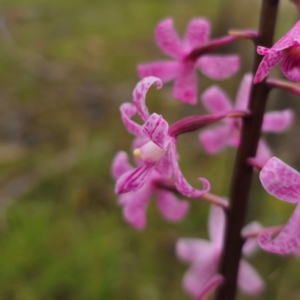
<point>280,180</point>
<point>139,95</point>
<point>290,67</point>
<point>120,164</point>
<point>218,67</point>
<point>181,184</point>
<point>128,110</point>
<point>277,121</point>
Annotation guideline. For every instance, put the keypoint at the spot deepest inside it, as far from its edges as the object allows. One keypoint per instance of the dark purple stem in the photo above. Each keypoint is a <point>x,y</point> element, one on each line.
<point>242,174</point>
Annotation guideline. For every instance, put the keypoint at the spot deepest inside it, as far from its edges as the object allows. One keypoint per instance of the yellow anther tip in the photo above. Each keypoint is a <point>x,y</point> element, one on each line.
<point>137,153</point>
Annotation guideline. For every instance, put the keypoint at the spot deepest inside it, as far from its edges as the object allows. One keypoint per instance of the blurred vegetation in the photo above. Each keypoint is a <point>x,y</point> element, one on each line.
<point>65,67</point>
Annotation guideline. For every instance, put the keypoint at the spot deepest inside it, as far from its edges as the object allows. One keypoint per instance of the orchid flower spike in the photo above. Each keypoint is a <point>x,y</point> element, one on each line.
<point>155,148</point>
<point>204,257</point>
<point>135,203</point>
<point>286,51</point>
<point>189,55</point>
<point>283,182</point>
<point>216,101</point>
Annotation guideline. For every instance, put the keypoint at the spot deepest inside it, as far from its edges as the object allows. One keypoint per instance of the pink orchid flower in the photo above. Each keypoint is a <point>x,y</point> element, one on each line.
<point>155,148</point>
<point>286,51</point>
<point>188,56</point>
<point>204,257</point>
<point>135,203</point>
<point>283,182</point>
<point>216,138</point>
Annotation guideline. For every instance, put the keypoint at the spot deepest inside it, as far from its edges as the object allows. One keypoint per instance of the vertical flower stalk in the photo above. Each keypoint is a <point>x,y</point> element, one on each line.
<point>242,174</point>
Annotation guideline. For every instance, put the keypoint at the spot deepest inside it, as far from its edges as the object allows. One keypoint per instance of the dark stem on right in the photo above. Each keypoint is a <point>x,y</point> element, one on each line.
<point>242,174</point>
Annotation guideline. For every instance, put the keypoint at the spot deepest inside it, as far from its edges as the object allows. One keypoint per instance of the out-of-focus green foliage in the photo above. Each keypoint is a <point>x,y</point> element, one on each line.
<point>65,67</point>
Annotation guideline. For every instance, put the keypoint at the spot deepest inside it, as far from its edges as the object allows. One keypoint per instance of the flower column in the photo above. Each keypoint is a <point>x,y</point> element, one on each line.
<point>242,174</point>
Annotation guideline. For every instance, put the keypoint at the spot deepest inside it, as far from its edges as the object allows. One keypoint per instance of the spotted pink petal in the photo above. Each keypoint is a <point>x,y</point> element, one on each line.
<point>290,67</point>
<point>263,50</point>
<point>268,62</point>
<point>280,180</point>
<point>134,179</point>
<point>251,245</point>
<point>216,225</point>
<point>185,85</point>
<point>218,67</point>
<point>135,205</point>
<point>216,138</point>
<point>127,111</point>
<point>243,93</point>
<point>197,33</point>
<point>215,100</point>
<point>168,40</point>
<point>139,95</point>
<point>278,121</point>
<point>263,153</point>
<point>164,165</point>
<point>211,285</point>
<point>249,281</point>
<point>170,207</point>
<point>287,241</point>
<point>190,249</point>
<point>120,164</point>
<point>165,70</point>
<point>156,129</point>
<point>181,184</point>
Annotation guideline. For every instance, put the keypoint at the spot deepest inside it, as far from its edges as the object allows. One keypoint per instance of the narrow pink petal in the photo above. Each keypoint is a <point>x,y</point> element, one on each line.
<point>120,164</point>
<point>280,180</point>
<point>216,225</point>
<point>263,50</point>
<point>218,67</point>
<point>197,33</point>
<point>191,249</point>
<point>287,241</point>
<point>268,62</point>
<point>243,93</point>
<point>181,184</point>
<point>277,121</point>
<point>156,129</point>
<point>139,95</point>
<point>216,138</point>
<point>251,245</point>
<point>127,111</point>
<point>170,207</point>
<point>290,67</point>
<point>134,179</point>
<point>263,153</point>
<point>185,86</point>
<point>215,100</point>
<point>249,281</point>
<point>135,205</point>
<point>165,70</point>
<point>210,286</point>
<point>164,165</point>
<point>168,40</point>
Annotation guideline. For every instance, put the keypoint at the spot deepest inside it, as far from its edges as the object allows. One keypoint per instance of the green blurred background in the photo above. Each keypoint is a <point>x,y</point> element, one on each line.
<point>65,67</point>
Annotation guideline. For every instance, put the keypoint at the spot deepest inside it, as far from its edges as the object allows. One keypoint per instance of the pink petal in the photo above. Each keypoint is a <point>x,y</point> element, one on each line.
<point>290,67</point>
<point>263,50</point>
<point>164,165</point>
<point>168,40</point>
<point>165,70</point>
<point>135,205</point>
<point>268,62</point>
<point>192,250</point>
<point>211,285</point>
<point>197,33</point>
<point>243,93</point>
<point>139,95</point>
<point>218,67</point>
<point>216,138</point>
<point>120,164</point>
<point>216,225</point>
<point>251,245</point>
<point>185,86</point>
<point>156,129</point>
<point>278,121</point>
<point>215,100</point>
<point>249,281</point>
<point>263,153</point>
<point>181,184</point>
<point>127,111</point>
<point>170,207</point>
<point>287,241</point>
<point>134,179</point>
<point>280,180</point>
